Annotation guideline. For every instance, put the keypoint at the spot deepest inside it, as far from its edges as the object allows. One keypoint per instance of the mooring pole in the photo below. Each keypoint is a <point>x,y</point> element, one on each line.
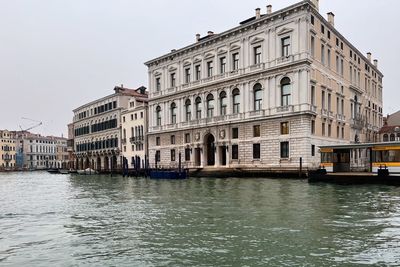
<point>301,168</point>
<point>180,162</point>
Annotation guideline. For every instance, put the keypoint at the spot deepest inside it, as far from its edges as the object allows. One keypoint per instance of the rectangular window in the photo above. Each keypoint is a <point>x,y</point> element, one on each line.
<point>158,84</point>
<point>337,64</point>
<point>284,150</point>
<point>313,95</point>
<point>323,99</point>
<point>256,151</point>
<point>329,102</point>
<point>172,139</point>
<point>257,55</point>
<point>222,65</point>
<point>329,130</point>
<point>235,133</point>
<point>187,75</point>
<point>312,46</point>
<point>187,154</point>
<point>329,58</point>
<point>323,129</point>
<point>329,35</point>
<point>172,79</point>
<point>172,154</point>
<point>323,54</point>
<point>312,19</point>
<point>256,131</point>
<point>341,66</point>
<point>284,128</point>
<point>338,132</point>
<point>285,46</point>
<point>210,66</point>
<point>187,138</point>
<point>158,141</point>
<point>235,152</point>
<point>198,72</point>
<point>235,61</point>
<point>322,29</point>
<point>342,132</point>
<point>158,156</point>
<point>312,150</point>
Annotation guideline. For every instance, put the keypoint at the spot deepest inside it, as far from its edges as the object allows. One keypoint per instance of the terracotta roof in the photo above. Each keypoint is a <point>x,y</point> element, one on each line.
<point>388,129</point>
<point>131,92</point>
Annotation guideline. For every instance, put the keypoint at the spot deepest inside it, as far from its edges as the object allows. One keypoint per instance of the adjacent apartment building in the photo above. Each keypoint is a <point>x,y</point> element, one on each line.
<point>391,128</point>
<point>97,130</point>
<point>7,149</point>
<point>263,94</point>
<point>134,130</point>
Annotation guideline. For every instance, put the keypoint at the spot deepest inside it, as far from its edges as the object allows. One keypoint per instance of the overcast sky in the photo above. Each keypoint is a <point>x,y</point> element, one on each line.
<point>56,55</point>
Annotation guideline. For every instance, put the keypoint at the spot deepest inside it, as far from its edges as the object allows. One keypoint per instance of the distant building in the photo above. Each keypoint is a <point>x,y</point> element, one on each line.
<point>7,149</point>
<point>70,147</point>
<point>62,156</point>
<point>39,152</point>
<point>263,94</point>
<point>391,128</point>
<point>134,130</point>
<point>97,130</point>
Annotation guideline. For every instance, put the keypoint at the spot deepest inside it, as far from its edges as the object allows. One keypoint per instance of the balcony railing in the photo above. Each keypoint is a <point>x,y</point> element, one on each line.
<point>285,109</point>
<point>256,113</point>
<point>136,139</point>
<point>341,117</point>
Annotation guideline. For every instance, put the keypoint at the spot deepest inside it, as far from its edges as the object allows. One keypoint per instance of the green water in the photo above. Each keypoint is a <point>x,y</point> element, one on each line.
<point>67,220</point>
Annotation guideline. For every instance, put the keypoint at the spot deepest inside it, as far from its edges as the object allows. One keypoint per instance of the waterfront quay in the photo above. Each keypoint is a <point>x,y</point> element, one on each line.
<point>71,220</point>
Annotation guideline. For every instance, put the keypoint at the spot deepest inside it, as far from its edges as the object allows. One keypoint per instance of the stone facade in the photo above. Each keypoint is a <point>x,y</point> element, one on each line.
<point>391,128</point>
<point>290,72</point>
<point>39,152</point>
<point>134,131</point>
<point>7,149</point>
<point>97,131</point>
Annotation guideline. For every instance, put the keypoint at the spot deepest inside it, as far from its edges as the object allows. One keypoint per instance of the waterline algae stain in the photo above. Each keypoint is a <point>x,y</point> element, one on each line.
<point>67,220</point>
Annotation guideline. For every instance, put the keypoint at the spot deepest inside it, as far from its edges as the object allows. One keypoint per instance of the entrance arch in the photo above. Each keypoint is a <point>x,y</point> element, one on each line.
<point>98,164</point>
<point>210,149</point>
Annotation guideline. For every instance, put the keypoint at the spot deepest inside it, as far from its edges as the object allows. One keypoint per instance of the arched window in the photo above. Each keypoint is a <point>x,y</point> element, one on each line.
<point>198,108</point>
<point>223,102</point>
<point>236,101</point>
<point>188,110</point>
<point>285,92</point>
<point>392,137</point>
<point>257,96</point>
<point>210,106</point>
<point>173,113</point>
<point>158,116</point>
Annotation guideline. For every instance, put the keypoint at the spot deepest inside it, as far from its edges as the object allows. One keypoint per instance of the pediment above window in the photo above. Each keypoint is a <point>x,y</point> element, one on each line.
<point>172,68</point>
<point>197,60</point>
<point>187,63</point>
<point>284,31</point>
<point>209,55</point>
<point>221,51</point>
<point>256,40</point>
<point>157,73</point>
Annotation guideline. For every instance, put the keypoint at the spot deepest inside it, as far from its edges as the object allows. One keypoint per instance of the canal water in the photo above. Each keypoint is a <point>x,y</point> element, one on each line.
<point>70,220</point>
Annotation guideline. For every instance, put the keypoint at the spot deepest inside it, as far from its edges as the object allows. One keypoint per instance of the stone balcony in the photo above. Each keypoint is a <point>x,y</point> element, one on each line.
<point>285,109</point>
<point>340,117</point>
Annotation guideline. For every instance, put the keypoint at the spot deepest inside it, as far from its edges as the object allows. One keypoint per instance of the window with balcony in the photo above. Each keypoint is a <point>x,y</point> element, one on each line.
<point>158,116</point>
<point>188,110</point>
<point>198,72</point>
<point>235,61</point>
<point>198,108</point>
<point>173,113</point>
<point>236,101</point>
<point>257,55</point>
<point>257,91</point>
<point>210,68</point>
<point>210,106</point>
<point>285,92</point>
<point>158,84</point>
<point>285,46</point>
<point>222,65</point>
<point>172,79</point>
<point>187,75</point>
<point>223,103</point>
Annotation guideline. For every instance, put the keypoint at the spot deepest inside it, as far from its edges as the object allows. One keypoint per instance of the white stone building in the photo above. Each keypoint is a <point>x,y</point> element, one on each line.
<point>263,94</point>
<point>134,130</point>
<point>39,152</point>
<point>97,131</point>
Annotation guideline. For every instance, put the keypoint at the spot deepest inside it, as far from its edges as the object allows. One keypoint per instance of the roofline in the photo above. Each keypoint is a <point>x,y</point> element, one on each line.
<point>216,36</point>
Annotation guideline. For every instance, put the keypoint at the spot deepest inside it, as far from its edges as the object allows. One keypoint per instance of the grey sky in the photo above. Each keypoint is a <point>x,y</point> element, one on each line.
<point>56,55</point>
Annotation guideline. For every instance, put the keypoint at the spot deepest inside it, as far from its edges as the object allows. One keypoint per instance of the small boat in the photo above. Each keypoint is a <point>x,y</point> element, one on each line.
<point>53,171</point>
<point>64,171</point>
<point>87,171</point>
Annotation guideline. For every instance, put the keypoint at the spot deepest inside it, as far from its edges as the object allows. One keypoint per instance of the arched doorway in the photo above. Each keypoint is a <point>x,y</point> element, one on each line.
<point>86,163</point>
<point>114,163</point>
<point>210,149</point>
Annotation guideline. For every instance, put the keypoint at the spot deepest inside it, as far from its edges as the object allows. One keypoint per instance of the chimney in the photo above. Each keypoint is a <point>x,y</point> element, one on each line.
<point>331,19</point>
<point>122,86</point>
<point>269,9</point>
<point>210,33</point>
<point>376,63</point>
<point>369,56</point>
<point>316,4</point>
<point>197,37</point>
<point>258,13</point>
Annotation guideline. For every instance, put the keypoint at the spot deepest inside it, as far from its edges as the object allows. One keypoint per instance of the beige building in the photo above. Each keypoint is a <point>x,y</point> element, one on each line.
<point>97,131</point>
<point>134,130</point>
<point>62,156</point>
<point>7,149</point>
<point>391,128</point>
<point>70,147</point>
<point>263,94</point>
